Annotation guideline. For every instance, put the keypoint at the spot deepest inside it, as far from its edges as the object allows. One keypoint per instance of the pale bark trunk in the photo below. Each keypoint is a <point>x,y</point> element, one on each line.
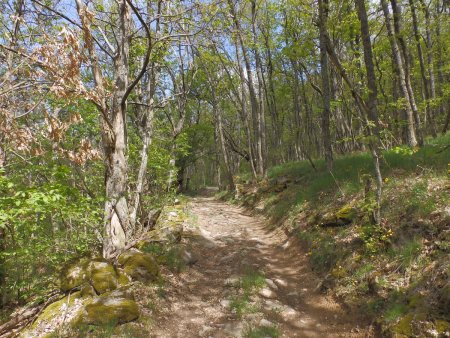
<point>326,93</point>
<point>426,88</point>
<point>117,220</point>
<point>399,66</point>
<point>397,14</point>
<point>258,120</point>
<point>245,114</point>
<point>19,9</point>
<point>146,142</point>
<point>146,126</point>
<point>430,63</point>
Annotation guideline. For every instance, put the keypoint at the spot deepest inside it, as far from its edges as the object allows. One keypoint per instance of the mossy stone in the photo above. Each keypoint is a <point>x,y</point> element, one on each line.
<point>442,326</point>
<point>54,309</point>
<point>123,279</point>
<point>347,213</point>
<point>74,274</point>
<point>404,327</point>
<point>103,277</point>
<point>140,266</point>
<point>343,216</point>
<point>111,308</point>
<point>87,290</point>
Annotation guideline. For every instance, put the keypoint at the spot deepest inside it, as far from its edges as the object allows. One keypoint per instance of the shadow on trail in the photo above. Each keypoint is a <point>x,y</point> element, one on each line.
<point>227,244</point>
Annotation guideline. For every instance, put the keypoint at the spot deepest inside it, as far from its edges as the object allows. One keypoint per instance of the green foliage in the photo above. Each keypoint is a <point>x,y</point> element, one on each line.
<point>45,225</point>
<point>406,253</point>
<point>322,249</point>
<point>395,311</point>
<point>250,283</point>
<point>421,201</point>
<point>262,332</point>
<point>375,237</point>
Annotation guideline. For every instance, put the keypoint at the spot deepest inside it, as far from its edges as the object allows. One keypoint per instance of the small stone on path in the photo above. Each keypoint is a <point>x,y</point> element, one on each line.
<point>271,284</point>
<point>280,282</point>
<point>267,293</point>
<point>265,322</point>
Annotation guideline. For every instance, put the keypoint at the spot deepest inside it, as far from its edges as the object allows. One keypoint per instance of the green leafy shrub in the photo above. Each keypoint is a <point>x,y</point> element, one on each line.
<point>44,226</point>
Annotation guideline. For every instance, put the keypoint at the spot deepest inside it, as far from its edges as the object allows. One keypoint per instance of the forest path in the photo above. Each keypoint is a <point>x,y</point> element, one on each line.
<point>231,244</point>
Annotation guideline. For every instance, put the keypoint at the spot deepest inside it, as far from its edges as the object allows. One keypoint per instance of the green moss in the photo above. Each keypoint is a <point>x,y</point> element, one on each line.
<point>140,266</point>
<point>87,290</point>
<point>263,332</point>
<point>74,274</point>
<point>394,311</point>
<point>111,308</point>
<point>123,279</point>
<point>347,213</point>
<point>442,326</point>
<point>416,301</point>
<point>404,325</point>
<point>103,277</point>
<point>54,309</point>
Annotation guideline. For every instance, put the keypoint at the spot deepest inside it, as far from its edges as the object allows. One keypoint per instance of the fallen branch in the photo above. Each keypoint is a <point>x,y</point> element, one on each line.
<point>24,318</point>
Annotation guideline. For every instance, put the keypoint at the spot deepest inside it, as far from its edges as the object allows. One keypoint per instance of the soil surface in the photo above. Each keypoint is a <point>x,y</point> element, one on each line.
<point>228,244</point>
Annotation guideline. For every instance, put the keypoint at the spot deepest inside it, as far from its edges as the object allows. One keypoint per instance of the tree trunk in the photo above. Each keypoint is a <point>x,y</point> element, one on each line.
<point>399,66</point>
<point>117,221</point>
<point>397,14</point>
<point>326,93</point>
<point>373,126</point>
<point>258,120</point>
<point>426,88</point>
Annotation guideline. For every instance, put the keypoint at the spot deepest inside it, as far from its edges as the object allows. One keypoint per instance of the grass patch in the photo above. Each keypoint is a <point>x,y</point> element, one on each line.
<point>349,170</point>
<point>240,305</point>
<point>395,311</point>
<point>262,332</point>
<point>408,252</point>
<point>250,283</point>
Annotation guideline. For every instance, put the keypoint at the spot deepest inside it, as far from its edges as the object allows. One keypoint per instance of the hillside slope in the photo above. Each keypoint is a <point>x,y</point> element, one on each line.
<point>396,273</point>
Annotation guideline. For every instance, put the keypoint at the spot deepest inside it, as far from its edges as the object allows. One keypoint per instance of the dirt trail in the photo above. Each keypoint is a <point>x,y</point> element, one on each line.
<point>229,242</point>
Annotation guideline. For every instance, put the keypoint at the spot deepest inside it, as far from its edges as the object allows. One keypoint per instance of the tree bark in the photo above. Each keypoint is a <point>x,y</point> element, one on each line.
<point>326,92</point>
<point>373,127</point>
<point>425,84</point>
<point>411,138</point>
<point>258,119</point>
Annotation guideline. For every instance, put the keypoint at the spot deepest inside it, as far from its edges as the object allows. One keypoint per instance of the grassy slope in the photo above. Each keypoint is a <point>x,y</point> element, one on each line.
<point>397,273</point>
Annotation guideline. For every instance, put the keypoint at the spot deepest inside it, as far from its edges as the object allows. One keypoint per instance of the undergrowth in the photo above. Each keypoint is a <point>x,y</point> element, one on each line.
<point>396,271</point>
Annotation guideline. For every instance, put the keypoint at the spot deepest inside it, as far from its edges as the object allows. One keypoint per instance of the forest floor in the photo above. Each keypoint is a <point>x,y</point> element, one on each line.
<point>248,281</point>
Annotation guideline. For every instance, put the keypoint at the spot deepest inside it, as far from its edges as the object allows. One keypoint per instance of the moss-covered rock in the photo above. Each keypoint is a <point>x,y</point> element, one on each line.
<point>343,216</point>
<point>123,278</point>
<point>87,290</point>
<point>442,326</point>
<point>111,308</point>
<point>169,226</point>
<point>103,276</point>
<point>170,232</point>
<point>74,274</point>
<point>55,309</point>
<point>404,326</point>
<point>139,265</point>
